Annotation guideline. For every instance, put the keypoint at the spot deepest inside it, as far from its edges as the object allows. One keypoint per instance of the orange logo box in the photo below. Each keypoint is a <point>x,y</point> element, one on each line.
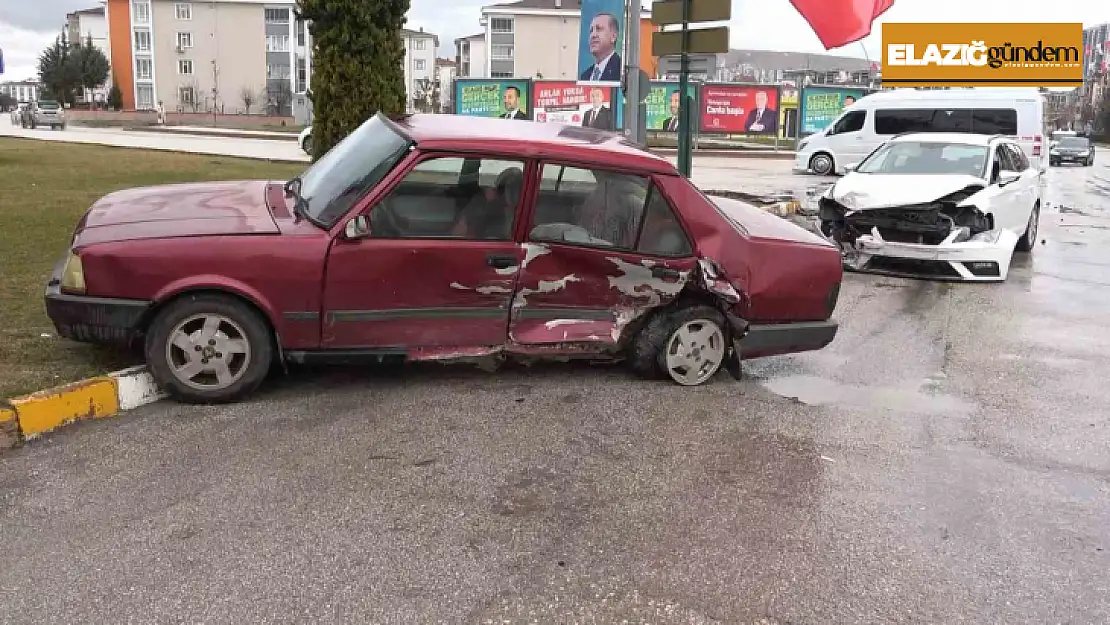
<point>982,55</point>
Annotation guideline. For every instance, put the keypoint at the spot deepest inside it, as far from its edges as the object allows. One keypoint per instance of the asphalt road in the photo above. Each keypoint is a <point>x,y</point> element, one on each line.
<point>944,460</point>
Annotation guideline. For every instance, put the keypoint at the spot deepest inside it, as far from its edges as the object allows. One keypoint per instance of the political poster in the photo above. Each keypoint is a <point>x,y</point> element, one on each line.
<point>566,102</point>
<point>820,106</point>
<point>600,42</point>
<point>663,105</point>
<point>492,98</point>
<point>739,109</point>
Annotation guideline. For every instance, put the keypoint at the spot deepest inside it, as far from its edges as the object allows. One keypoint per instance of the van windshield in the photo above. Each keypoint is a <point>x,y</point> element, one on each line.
<point>926,158</point>
<point>1073,142</point>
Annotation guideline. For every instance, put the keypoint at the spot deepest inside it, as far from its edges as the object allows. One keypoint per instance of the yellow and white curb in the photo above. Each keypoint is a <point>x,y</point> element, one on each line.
<point>24,418</point>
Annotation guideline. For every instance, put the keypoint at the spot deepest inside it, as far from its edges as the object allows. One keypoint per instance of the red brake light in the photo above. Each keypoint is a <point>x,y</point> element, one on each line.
<point>1037,145</point>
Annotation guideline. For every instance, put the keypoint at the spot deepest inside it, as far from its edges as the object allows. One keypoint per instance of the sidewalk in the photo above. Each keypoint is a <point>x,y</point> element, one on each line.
<point>207,131</point>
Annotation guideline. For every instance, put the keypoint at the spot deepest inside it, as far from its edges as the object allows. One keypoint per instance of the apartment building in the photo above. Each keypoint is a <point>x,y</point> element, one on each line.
<point>223,56</point>
<point>446,72</point>
<point>22,91</point>
<point>470,56</point>
<point>82,25</point>
<point>531,38</point>
<point>421,51</point>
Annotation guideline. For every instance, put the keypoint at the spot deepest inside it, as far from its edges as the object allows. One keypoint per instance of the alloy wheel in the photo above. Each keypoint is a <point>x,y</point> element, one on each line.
<point>208,352</point>
<point>695,352</point>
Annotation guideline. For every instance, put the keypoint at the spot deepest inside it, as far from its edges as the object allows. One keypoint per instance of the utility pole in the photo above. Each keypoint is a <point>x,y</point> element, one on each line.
<point>685,155</point>
<point>632,95</point>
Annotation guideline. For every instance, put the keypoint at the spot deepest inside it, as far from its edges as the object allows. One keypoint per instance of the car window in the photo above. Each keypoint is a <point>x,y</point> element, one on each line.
<point>925,158</point>
<point>45,104</point>
<point>1073,142</point>
<point>1017,157</point>
<point>1008,158</point>
<point>850,122</point>
<point>662,234</point>
<point>452,197</point>
<point>603,212</point>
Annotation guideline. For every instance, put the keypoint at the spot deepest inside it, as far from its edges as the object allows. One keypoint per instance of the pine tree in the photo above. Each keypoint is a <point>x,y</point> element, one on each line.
<point>57,71</point>
<point>90,65</point>
<point>357,64</point>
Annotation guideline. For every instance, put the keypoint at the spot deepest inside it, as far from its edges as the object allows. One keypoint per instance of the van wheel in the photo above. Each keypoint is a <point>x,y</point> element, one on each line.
<point>688,344</point>
<point>1028,240</point>
<point>822,164</point>
<point>208,349</point>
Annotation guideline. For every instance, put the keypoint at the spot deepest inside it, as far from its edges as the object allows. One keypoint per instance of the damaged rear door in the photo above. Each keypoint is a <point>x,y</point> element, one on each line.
<point>602,248</point>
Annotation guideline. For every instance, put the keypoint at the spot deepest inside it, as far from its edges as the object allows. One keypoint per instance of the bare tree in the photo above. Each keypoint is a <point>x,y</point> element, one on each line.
<point>279,97</point>
<point>249,97</point>
<point>188,96</point>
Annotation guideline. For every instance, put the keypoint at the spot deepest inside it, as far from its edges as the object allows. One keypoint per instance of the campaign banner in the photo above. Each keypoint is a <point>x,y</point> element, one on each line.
<point>571,103</point>
<point>663,105</point>
<point>739,109</point>
<point>600,42</point>
<point>820,106</point>
<point>492,98</point>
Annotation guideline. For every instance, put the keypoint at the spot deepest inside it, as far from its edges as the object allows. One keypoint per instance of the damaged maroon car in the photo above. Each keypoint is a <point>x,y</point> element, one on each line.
<point>431,237</point>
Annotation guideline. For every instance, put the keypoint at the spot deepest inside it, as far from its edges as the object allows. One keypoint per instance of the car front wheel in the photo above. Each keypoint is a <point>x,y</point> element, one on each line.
<point>1028,240</point>
<point>822,164</point>
<point>687,344</point>
<point>208,348</point>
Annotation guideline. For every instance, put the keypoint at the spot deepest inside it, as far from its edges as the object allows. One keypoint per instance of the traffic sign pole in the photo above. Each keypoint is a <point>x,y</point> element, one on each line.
<point>632,96</point>
<point>684,155</point>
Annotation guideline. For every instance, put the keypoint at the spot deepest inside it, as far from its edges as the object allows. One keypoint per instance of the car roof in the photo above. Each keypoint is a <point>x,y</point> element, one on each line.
<point>963,138</point>
<point>531,139</point>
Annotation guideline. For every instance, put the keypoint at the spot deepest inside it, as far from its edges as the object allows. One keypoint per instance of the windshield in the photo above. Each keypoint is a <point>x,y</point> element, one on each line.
<point>46,104</point>
<point>335,182</point>
<point>926,158</point>
<point>1073,142</point>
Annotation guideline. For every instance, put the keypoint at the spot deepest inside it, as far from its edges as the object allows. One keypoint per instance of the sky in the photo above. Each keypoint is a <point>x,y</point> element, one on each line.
<point>28,26</point>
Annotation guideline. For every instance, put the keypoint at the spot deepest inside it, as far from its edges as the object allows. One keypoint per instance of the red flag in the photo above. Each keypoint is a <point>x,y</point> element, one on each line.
<point>840,22</point>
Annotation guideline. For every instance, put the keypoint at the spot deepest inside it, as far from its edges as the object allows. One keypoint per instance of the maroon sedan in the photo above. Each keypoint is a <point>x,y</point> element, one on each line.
<point>435,237</point>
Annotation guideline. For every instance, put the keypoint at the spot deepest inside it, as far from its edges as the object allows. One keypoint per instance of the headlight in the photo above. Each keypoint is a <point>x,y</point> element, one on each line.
<point>1084,153</point>
<point>73,275</point>
<point>1054,151</point>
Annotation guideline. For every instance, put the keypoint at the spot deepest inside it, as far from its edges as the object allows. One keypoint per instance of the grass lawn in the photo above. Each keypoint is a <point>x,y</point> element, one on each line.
<point>45,187</point>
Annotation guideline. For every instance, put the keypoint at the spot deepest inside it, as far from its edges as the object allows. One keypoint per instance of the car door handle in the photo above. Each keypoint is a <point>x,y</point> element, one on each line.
<point>664,272</point>
<point>501,261</point>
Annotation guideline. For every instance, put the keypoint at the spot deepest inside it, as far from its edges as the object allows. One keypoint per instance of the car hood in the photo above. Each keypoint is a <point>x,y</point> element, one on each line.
<point>178,210</point>
<point>869,191</point>
<point>760,224</point>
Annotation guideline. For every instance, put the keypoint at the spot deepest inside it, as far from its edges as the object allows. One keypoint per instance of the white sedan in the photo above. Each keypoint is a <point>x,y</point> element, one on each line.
<point>933,205</point>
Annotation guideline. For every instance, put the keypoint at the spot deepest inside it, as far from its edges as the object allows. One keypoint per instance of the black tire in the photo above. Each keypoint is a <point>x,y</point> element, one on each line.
<point>1028,240</point>
<point>822,164</point>
<point>648,353</point>
<point>1091,162</point>
<point>307,142</point>
<point>257,333</point>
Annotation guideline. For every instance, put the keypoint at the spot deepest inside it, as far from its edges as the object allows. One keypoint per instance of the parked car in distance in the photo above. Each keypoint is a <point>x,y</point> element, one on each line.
<point>45,113</point>
<point>426,239</point>
<point>305,140</point>
<point>952,206</point>
<point>17,113</point>
<point>1073,149</point>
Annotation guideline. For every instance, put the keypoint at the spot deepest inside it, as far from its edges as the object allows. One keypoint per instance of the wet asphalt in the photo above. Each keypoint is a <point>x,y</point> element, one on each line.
<point>946,459</point>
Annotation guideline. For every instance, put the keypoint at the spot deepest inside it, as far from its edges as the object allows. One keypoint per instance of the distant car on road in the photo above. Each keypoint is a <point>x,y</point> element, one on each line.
<point>305,140</point>
<point>425,239</point>
<point>952,206</point>
<point>45,113</point>
<point>1073,149</point>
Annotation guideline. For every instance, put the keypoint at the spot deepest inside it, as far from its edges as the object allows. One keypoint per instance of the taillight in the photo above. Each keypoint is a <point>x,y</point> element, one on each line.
<point>1037,145</point>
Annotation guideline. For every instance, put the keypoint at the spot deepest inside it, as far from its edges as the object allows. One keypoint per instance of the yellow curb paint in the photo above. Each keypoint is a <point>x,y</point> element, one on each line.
<point>47,410</point>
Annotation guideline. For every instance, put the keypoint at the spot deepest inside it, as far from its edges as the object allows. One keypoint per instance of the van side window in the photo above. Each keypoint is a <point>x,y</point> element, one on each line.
<point>994,121</point>
<point>897,121</point>
<point>851,122</point>
<point>951,120</point>
<point>988,121</point>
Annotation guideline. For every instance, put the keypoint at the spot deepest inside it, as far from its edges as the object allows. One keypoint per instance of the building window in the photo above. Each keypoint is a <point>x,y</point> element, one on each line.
<point>302,75</point>
<point>184,40</point>
<point>277,16</point>
<point>501,74</point>
<point>501,51</point>
<point>142,40</point>
<point>277,43</point>
<point>501,25</point>
<point>186,96</point>
<point>277,72</point>
<point>418,65</point>
<point>185,67</point>
<point>302,30</point>
<point>420,44</point>
<point>183,11</point>
<point>144,97</point>
<point>144,68</point>
<point>142,13</point>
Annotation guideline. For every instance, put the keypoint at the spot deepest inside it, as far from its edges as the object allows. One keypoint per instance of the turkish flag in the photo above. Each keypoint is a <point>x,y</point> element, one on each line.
<point>840,22</point>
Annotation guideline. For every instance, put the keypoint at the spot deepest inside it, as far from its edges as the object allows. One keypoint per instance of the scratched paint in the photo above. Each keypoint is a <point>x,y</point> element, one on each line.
<point>490,289</point>
<point>554,323</point>
<point>636,281</point>
<point>716,283</point>
<point>544,286</point>
<point>532,251</point>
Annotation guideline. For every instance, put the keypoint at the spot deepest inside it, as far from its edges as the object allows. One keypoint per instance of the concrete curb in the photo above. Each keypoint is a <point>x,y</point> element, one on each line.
<point>27,417</point>
<point>222,133</point>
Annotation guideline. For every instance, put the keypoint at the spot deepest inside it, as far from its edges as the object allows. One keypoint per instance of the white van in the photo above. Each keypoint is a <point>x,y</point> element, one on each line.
<point>1015,112</point>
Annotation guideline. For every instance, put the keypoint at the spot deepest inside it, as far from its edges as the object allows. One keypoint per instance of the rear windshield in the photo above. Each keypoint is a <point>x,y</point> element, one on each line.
<point>47,104</point>
<point>987,121</point>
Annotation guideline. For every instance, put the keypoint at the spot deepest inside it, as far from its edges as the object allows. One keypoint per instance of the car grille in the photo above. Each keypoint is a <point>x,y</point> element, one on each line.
<point>914,267</point>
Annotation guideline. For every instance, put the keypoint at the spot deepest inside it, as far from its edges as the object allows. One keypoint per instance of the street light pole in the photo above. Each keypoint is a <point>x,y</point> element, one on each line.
<point>684,155</point>
<point>632,95</point>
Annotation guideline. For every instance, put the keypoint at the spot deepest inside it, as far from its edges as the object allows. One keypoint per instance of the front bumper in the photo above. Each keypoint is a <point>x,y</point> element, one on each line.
<point>801,163</point>
<point>985,258</point>
<point>92,319</point>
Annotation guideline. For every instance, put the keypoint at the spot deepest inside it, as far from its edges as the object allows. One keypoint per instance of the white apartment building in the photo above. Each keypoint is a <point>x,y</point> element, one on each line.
<point>22,91</point>
<point>209,55</point>
<point>470,56</point>
<point>80,26</point>
<point>421,51</point>
<point>446,72</point>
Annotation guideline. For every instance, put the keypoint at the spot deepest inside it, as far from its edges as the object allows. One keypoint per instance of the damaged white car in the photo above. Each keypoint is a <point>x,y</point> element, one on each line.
<point>935,205</point>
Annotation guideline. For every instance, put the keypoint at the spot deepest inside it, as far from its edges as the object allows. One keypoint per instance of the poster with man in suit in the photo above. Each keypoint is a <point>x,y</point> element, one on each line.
<point>601,42</point>
<point>762,119</point>
<point>598,115</point>
<point>511,99</point>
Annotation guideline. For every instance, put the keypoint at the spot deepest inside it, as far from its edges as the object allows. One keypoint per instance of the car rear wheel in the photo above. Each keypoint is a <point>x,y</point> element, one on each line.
<point>687,344</point>
<point>1028,240</point>
<point>822,164</point>
<point>209,349</point>
<point>307,142</point>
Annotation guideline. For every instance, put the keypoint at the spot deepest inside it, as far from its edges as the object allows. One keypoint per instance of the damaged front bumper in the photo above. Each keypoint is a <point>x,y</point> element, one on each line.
<point>985,257</point>
<point>92,319</point>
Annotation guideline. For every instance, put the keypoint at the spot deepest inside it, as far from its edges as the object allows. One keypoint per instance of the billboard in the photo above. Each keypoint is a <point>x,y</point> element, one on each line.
<point>739,109</point>
<point>663,104</point>
<point>819,106</point>
<point>492,98</point>
<point>600,42</point>
<point>570,103</point>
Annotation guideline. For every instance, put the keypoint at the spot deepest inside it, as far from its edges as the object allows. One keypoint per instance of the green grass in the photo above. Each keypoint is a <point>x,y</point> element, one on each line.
<point>45,187</point>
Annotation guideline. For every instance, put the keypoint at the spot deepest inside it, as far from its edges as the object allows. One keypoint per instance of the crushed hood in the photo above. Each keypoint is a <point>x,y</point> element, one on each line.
<point>871,191</point>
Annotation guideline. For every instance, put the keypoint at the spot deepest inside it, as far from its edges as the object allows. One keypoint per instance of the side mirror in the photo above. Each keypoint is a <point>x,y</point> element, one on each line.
<point>850,167</point>
<point>1008,177</point>
<point>357,228</point>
